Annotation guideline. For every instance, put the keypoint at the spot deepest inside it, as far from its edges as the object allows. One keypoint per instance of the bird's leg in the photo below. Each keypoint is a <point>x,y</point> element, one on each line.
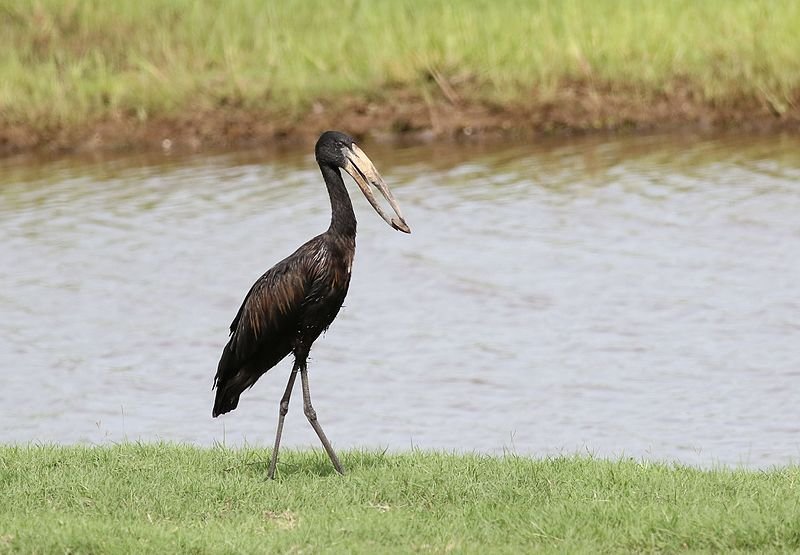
<point>311,414</point>
<point>284,408</point>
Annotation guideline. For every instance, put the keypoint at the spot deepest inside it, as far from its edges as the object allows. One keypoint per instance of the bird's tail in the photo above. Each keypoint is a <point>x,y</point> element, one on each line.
<point>228,383</point>
<point>225,401</point>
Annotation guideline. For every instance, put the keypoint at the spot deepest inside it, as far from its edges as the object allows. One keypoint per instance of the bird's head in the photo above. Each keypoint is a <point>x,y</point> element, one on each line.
<point>335,148</point>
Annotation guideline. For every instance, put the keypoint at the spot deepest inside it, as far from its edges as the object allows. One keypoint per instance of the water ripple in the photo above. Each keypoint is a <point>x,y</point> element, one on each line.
<point>632,296</point>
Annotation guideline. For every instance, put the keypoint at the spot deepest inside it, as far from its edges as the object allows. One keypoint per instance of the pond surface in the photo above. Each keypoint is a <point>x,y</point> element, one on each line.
<point>624,297</point>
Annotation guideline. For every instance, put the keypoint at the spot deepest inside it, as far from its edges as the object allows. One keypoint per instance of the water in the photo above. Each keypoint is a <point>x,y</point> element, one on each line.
<point>633,297</point>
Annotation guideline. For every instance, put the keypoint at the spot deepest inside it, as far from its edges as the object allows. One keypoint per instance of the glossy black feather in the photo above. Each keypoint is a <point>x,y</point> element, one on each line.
<point>285,310</point>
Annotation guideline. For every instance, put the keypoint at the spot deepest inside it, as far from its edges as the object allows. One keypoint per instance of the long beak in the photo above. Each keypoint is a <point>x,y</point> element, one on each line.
<point>364,173</point>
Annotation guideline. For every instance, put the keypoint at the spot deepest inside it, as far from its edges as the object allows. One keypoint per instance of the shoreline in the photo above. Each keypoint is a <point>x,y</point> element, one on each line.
<point>412,116</point>
<point>89,77</point>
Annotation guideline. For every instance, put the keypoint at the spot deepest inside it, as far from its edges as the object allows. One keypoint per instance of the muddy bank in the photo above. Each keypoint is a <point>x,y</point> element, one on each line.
<point>416,117</point>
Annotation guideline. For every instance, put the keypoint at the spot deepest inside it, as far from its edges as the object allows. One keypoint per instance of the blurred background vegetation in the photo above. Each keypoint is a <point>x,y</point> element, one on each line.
<point>63,61</point>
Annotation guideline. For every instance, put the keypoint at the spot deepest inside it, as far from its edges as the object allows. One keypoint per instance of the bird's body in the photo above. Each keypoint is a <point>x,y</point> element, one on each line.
<point>284,312</point>
<point>292,303</point>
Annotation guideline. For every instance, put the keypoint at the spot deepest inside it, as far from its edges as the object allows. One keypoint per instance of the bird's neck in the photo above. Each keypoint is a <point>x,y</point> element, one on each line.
<point>343,219</point>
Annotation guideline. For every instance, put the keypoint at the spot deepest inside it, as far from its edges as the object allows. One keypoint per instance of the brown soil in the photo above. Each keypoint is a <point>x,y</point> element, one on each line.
<point>412,116</point>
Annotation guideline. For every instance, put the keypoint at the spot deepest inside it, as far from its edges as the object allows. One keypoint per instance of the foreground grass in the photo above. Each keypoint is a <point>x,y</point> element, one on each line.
<point>168,498</point>
<point>65,61</point>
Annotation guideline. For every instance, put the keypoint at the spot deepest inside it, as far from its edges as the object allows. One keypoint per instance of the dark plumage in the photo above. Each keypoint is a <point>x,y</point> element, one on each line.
<point>289,306</point>
<point>286,309</point>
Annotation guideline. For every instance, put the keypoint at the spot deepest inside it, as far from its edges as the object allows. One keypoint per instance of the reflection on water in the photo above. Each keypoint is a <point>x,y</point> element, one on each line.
<point>636,297</point>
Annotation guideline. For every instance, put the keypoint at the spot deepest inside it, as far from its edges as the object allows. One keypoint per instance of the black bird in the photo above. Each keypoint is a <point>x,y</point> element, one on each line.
<point>289,306</point>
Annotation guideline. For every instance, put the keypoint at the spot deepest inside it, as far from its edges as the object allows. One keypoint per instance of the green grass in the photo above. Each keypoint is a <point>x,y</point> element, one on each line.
<point>166,498</point>
<point>62,61</point>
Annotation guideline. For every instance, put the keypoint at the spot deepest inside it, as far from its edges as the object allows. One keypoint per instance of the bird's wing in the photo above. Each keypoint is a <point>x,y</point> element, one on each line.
<point>272,304</point>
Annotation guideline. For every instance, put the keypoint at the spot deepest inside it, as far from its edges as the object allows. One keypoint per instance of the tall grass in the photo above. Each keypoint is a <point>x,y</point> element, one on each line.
<point>66,60</point>
<point>169,499</point>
